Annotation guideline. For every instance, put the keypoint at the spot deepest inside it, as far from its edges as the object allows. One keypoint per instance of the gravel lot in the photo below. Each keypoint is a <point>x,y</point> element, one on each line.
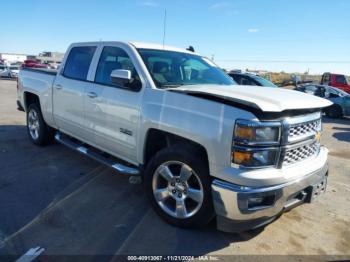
<point>66,203</point>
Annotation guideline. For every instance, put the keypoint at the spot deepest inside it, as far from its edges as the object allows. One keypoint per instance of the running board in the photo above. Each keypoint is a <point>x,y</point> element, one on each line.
<point>97,155</point>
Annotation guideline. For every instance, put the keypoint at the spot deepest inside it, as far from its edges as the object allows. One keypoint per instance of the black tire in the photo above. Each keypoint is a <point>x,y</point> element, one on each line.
<point>191,157</point>
<point>334,111</point>
<point>44,132</point>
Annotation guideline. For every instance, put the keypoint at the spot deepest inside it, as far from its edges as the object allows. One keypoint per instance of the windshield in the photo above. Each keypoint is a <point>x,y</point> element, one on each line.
<point>263,81</point>
<point>337,91</point>
<point>172,69</point>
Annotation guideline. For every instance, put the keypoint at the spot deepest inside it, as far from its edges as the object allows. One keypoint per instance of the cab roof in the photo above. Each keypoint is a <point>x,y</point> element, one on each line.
<point>139,45</point>
<point>143,45</point>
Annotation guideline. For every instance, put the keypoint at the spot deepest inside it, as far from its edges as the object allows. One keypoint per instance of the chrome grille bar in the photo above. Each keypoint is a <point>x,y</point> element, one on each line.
<point>301,153</point>
<point>301,128</point>
<point>300,141</point>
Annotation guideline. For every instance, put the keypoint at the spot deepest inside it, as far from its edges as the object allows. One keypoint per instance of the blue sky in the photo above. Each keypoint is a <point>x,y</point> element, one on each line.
<point>288,35</point>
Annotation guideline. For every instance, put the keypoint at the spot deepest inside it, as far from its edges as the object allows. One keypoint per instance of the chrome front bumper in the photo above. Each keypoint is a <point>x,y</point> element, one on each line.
<point>241,208</point>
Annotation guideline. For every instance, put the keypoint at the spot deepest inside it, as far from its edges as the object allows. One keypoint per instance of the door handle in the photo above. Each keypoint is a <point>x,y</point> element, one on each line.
<point>92,94</point>
<point>58,86</point>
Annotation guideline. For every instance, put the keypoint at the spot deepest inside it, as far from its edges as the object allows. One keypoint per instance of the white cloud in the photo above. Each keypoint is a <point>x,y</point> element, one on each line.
<point>220,5</point>
<point>149,3</point>
<point>253,30</point>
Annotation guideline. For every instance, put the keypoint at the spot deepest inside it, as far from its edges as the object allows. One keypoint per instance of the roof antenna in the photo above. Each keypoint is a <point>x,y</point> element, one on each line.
<point>164,27</point>
<point>190,48</point>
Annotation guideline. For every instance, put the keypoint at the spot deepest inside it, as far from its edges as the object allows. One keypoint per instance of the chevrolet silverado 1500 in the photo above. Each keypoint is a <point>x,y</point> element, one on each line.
<point>204,147</point>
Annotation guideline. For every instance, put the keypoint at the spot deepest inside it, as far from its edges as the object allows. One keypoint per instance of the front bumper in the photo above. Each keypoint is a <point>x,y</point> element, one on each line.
<point>240,208</point>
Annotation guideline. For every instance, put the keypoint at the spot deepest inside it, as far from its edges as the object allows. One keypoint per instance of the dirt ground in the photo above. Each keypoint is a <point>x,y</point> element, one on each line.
<point>68,204</point>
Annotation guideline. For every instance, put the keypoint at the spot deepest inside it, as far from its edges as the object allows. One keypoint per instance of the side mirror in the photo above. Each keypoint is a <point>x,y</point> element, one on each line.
<point>121,77</point>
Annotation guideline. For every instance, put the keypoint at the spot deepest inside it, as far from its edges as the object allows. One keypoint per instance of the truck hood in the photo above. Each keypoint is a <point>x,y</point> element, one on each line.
<point>264,98</point>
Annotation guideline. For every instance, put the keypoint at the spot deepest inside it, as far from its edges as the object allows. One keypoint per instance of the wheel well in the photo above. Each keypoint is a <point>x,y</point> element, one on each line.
<point>338,107</point>
<point>30,98</point>
<point>335,106</point>
<point>157,140</point>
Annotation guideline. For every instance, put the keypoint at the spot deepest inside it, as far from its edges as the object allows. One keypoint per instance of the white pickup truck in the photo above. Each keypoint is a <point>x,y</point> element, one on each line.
<point>204,147</point>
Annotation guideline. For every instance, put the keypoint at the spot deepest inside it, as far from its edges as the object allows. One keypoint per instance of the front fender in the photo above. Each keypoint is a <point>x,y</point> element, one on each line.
<point>202,121</point>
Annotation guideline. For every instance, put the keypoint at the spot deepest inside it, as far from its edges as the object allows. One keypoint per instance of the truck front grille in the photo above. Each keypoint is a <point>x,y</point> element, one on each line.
<point>301,141</point>
<point>303,130</point>
<point>292,156</point>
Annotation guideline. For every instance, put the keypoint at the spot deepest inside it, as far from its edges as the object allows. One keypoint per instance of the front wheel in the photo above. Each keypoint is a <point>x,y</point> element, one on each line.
<point>178,185</point>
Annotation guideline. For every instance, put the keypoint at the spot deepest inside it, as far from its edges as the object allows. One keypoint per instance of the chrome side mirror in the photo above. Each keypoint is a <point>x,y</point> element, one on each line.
<point>121,77</point>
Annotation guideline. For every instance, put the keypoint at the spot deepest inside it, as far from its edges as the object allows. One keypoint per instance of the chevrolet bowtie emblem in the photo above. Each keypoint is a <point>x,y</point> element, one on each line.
<point>318,136</point>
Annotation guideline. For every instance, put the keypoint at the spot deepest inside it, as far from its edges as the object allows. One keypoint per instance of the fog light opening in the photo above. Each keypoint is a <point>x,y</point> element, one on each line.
<point>261,201</point>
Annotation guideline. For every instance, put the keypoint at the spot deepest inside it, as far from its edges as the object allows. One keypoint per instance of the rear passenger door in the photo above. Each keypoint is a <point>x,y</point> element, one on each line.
<point>113,112</point>
<point>69,91</point>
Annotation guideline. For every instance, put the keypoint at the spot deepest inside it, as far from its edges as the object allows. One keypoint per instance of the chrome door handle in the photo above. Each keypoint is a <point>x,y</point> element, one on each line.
<point>58,86</point>
<point>92,94</point>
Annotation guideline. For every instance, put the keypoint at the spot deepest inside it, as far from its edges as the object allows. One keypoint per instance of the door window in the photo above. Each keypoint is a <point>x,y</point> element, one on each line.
<point>310,89</point>
<point>326,79</point>
<point>78,62</point>
<point>247,81</point>
<point>113,58</point>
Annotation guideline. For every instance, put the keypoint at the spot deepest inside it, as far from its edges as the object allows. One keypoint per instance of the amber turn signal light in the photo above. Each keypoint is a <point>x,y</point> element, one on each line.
<point>244,132</point>
<point>241,157</point>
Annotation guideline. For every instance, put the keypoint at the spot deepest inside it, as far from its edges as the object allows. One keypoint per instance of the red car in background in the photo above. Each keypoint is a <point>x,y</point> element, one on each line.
<point>31,63</point>
<point>336,80</point>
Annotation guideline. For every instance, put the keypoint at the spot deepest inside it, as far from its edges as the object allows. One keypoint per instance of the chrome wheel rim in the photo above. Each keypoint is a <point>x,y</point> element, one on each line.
<point>33,124</point>
<point>177,189</point>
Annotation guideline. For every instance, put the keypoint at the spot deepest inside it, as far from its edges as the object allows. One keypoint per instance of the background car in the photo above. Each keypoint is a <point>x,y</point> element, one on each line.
<point>250,79</point>
<point>4,71</point>
<point>340,99</point>
<point>14,71</point>
<point>336,80</point>
<point>31,63</point>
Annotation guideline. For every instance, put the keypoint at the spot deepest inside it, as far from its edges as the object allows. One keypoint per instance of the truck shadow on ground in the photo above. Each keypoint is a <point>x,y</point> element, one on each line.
<point>344,132</point>
<point>344,135</point>
<point>343,120</point>
<point>99,214</point>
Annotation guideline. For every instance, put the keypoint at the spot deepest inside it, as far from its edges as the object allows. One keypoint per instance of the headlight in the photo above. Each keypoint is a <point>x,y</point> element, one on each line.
<point>257,133</point>
<point>255,144</point>
<point>255,157</point>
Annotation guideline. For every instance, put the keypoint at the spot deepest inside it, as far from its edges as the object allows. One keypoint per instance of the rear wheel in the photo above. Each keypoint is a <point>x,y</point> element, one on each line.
<point>39,132</point>
<point>335,111</point>
<point>178,185</point>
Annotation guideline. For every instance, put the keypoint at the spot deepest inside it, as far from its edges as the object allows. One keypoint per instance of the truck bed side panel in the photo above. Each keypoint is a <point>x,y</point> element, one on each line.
<point>40,83</point>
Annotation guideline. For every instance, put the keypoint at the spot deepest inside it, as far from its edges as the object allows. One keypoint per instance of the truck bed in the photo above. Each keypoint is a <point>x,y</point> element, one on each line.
<point>41,70</point>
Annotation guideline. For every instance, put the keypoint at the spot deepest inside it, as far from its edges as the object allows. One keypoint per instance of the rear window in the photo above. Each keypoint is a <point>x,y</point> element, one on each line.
<point>78,62</point>
<point>340,79</point>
